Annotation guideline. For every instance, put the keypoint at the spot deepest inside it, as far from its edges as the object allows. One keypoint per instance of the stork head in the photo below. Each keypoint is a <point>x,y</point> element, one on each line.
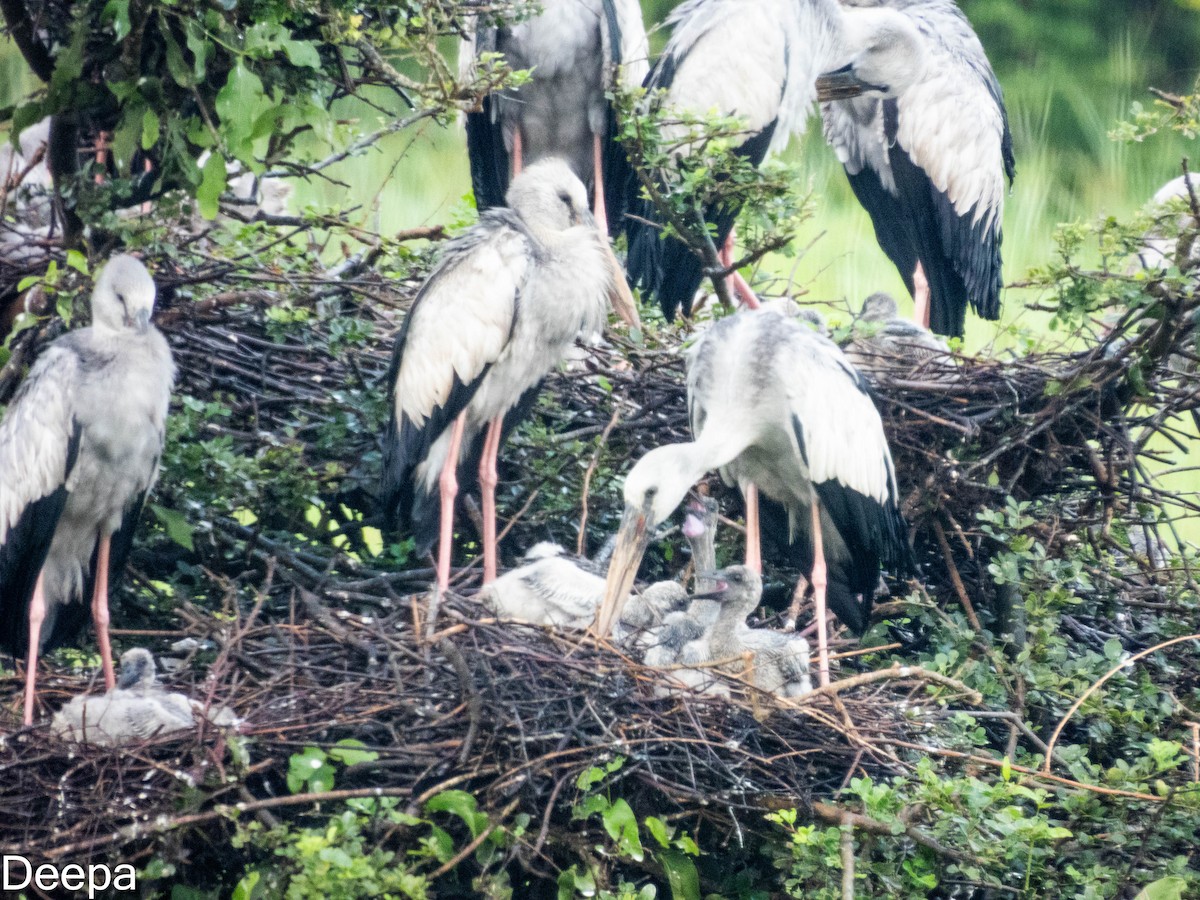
<point>137,669</point>
<point>653,488</point>
<point>884,54</point>
<point>879,307</point>
<point>123,297</point>
<point>549,198</point>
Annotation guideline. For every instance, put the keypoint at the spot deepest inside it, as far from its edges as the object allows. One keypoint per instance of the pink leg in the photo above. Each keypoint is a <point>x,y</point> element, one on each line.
<point>488,478</point>
<point>737,284</point>
<point>37,615</point>
<point>818,578</point>
<point>753,544</point>
<point>100,611</point>
<point>101,155</point>
<point>517,161</point>
<point>600,211</point>
<point>448,485</point>
<point>920,297</point>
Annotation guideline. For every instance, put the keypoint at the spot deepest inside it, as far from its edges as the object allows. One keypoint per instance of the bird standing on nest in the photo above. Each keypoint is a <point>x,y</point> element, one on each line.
<point>777,408</point>
<point>497,313</point>
<point>79,450</point>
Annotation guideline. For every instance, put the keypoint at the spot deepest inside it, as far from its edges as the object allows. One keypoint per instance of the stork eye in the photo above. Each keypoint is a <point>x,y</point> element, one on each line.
<point>565,198</point>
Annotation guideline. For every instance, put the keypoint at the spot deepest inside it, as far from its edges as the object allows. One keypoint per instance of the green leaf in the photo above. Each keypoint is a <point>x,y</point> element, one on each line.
<point>302,53</point>
<point>178,528</point>
<point>212,185</point>
<point>239,104</point>
<point>77,261</point>
<point>658,830</point>
<point>309,769</point>
<point>461,804</point>
<point>245,887</point>
<point>1169,888</point>
<point>150,129</point>
<point>621,825</point>
<point>349,752</point>
<point>682,876</point>
<point>117,12</point>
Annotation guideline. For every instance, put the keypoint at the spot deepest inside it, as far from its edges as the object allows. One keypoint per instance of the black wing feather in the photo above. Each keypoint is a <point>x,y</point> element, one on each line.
<point>23,555</point>
<point>489,157</point>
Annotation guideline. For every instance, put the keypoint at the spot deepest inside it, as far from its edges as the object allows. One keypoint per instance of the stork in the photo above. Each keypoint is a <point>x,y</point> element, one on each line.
<point>579,51</point>
<point>928,164</point>
<point>758,60</point>
<point>497,313</point>
<point>891,342</point>
<point>79,450</point>
<point>807,435</point>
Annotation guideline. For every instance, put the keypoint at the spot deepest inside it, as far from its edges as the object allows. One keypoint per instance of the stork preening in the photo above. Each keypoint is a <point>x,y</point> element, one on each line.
<point>497,313</point>
<point>929,162</point>
<point>578,51</point>
<point>758,60</point>
<point>79,450</point>
<point>778,409</point>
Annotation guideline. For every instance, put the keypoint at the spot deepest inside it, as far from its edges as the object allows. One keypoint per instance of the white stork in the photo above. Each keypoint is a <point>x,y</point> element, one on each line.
<point>777,408</point>
<point>79,450</point>
<point>929,163</point>
<point>891,343</point>
<point>758,60</point>
<point>497,313</point>
<point>578,51</point>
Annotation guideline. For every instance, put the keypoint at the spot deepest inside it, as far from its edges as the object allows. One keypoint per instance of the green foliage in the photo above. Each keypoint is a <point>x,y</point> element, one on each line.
<point>690,169</point>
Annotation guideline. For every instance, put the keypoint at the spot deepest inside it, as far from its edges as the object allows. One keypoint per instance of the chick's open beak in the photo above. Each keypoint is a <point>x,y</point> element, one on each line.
<point>632,538</point>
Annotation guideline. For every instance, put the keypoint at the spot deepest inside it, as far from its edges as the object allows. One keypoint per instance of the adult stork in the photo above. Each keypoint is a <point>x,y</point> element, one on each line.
<point>778,409</point>
<point>758,60</point>
<point>497,313</point>
<point>579,51</point>
<point>928,164</point>
<point>79,450</point>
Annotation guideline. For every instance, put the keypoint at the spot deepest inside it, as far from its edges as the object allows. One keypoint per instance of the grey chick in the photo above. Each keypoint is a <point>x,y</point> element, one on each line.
<point>136,709</point>
<point>890,342</point>
<point>780,662</point>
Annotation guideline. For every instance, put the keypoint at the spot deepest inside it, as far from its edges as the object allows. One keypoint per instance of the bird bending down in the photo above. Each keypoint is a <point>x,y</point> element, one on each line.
<point>778,409</point>
<point>497,313</point>
<point>928,163</point>
<point>79,450</point>
<point>578,51</point>
<point>757,60</point>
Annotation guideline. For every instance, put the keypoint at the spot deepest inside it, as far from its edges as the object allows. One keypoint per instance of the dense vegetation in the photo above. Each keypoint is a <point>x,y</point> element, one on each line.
<point>1073,775</point>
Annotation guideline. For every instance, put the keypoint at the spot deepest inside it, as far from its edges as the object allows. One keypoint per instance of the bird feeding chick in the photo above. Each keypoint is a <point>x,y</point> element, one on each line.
<point>498,312</point>
<point>79,451</point>
<point>137,709</point>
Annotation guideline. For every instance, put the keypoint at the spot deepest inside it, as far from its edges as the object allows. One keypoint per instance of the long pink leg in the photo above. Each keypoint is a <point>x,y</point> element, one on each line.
<point>818,579</point>
<point>100,611</point>
<point>753,542</point>
<point>101,155</point>
<point>737,284</point>
<point>448,485</point>
<point>488,478</point>
<point>920,296</point>
<point>517,154</point>
<point>600,211</point>
<point>37,615</point>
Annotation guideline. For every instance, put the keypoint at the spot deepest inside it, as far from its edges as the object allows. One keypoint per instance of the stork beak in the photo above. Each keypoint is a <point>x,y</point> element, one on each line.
<point>620,296</point>
<point>141,320</point>
<point>843,84</point>
<point>632,538</point>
